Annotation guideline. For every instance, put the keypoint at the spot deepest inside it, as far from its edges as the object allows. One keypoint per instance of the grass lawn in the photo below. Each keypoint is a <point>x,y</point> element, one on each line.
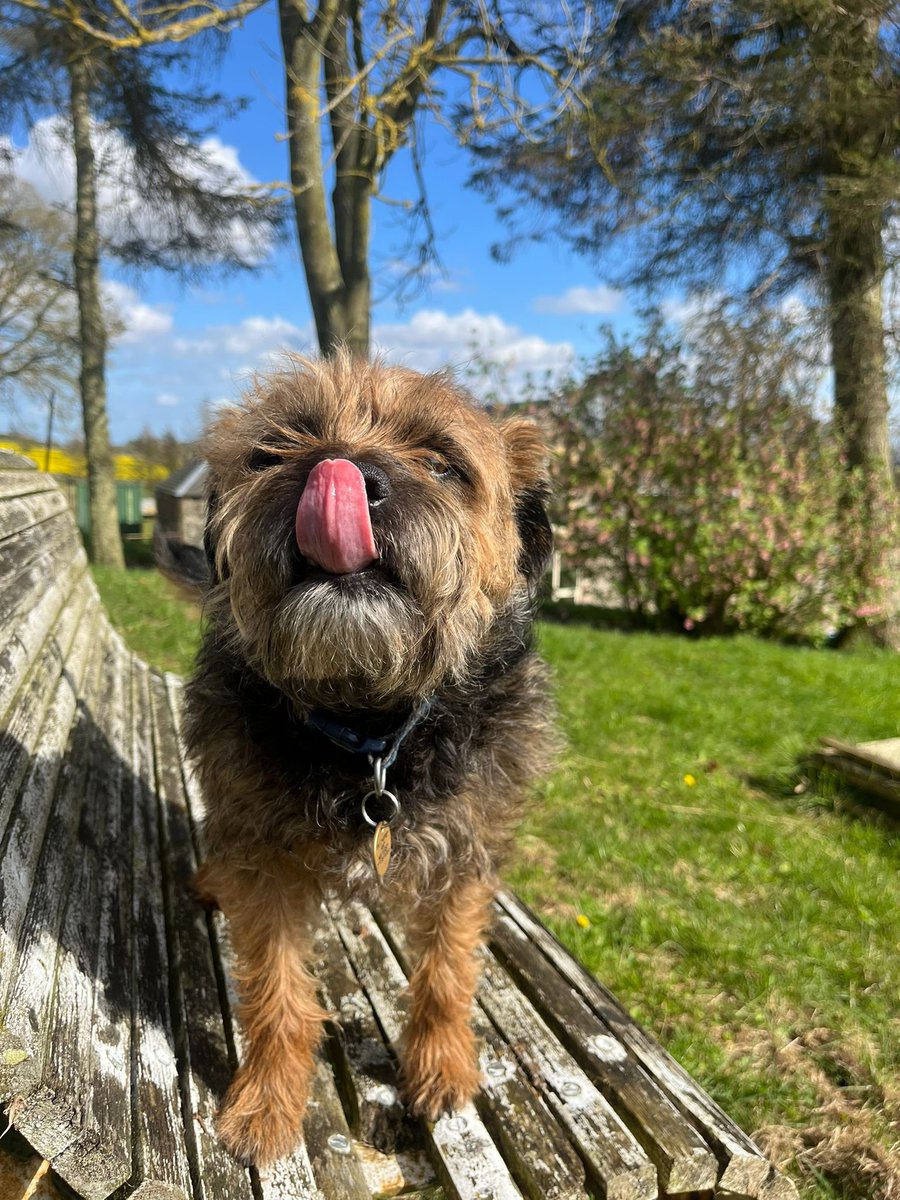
<point>150,615</point>
<point>749,917</point>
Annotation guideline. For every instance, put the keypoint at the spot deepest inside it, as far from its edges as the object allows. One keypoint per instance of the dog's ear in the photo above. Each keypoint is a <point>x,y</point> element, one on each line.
<point>527,456</point>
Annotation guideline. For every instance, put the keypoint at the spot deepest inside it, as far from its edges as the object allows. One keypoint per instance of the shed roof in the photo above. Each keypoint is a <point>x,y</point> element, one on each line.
<point>188,481</point>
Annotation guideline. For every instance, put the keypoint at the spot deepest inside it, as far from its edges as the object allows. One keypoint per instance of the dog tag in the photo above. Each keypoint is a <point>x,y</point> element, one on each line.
<point>381,848</point>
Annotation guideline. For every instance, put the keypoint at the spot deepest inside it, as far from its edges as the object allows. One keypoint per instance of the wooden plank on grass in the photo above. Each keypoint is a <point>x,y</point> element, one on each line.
<point>467,1162</point>
<point>683,1159</point>
<point>885,754</point>
<point>744,1169</point>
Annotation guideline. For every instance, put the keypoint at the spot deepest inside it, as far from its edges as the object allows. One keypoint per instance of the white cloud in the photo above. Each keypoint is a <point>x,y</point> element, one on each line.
<point>47,162</point>
<point>596,301</point>
<point>256,341</point>
<point>432,339</point>
<point>490,355</point>
<point>140,321</point>
<point>493,358</point>
<point>167,400</point>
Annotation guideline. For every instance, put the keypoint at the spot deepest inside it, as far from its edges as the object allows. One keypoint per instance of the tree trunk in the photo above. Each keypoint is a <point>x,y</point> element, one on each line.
<point>106,541</point>
<point>354,182</point>
<point>856,276</point>
<point>338,321</point>
<point>855,280</point>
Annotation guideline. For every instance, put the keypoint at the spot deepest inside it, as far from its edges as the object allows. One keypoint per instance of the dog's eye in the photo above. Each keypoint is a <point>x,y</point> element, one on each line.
<point>261,459</point>
<point>438,465</point>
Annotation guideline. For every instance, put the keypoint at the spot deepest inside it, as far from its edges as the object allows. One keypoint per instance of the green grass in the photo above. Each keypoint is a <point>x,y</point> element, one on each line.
<point>147,611</point>
<point>752,927</point>
<point>750,920</point>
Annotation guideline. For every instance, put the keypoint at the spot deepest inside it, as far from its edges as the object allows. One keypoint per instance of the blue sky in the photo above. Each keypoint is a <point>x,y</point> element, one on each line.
<point>184,346</point>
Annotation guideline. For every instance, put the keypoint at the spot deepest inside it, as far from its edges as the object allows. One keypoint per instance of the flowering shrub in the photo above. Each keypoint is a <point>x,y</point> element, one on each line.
<point>699,479</point>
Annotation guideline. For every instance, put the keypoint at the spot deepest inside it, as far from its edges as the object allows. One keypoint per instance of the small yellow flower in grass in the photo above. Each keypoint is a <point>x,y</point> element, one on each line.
<point>690,780</point>
<point>582,921</point>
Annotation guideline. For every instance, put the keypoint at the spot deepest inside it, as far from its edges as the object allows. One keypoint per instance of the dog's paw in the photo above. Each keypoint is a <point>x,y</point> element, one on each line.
<point>440,1070</point>
<point>253,1129</point>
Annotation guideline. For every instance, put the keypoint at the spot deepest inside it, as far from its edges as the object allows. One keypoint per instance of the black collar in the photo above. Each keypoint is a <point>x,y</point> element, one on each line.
<point>344,730</point>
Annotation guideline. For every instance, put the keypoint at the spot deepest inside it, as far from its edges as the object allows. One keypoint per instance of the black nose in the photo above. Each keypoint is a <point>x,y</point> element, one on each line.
<point>378,485</point>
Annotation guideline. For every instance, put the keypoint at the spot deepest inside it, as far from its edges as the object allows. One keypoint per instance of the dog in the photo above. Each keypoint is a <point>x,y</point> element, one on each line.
<point>367,712</point>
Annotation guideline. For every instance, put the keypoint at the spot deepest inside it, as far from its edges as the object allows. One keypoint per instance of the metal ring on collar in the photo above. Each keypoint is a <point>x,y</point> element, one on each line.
<point>389,796</point>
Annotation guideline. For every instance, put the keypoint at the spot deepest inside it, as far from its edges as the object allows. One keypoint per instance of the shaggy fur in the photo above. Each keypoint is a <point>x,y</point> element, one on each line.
<point>444,614</point>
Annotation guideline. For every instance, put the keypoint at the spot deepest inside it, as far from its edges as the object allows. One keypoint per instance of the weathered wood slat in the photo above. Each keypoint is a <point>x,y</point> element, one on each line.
<point>205,1067</point>
<point>24,514</point>
<point>616,1161</point>
<point>683,1159</point>
<point>100,1158</point>
<point>23,723</point>
<point>468,1164</point>
<point>50,541</point>
<point>543,1160</point>
<point>293,1176</point>
<point>32,803</point>
<point>885,755</point>
<point>33,975</point>
<point>365,1068</point>
<point>11,461</point>
<point>22,482</point>
<point>46,586</point>
<point>94,1160</point>
<point>744,1170</point>
<point>160,1150</point>
<point>328,1143</point>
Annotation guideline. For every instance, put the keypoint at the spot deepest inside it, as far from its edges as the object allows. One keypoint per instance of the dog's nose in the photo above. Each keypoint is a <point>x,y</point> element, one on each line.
<point>378,484</point>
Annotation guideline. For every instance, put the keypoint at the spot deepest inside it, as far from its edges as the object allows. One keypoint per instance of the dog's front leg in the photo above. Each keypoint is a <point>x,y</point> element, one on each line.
<point>440,1066</point>
<point>271,905</point>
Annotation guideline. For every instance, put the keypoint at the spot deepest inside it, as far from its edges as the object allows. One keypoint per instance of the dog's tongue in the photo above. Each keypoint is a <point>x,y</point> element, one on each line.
<point>333,525</point>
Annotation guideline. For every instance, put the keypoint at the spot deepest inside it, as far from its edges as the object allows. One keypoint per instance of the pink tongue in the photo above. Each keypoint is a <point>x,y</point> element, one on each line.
<point>333,526</point>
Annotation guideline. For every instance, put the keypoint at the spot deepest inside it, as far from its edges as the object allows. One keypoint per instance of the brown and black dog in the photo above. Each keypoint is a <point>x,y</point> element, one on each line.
<point>374,545</point>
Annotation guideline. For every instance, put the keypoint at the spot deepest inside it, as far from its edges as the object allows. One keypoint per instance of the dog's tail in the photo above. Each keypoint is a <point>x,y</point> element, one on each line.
<point>182,564</point>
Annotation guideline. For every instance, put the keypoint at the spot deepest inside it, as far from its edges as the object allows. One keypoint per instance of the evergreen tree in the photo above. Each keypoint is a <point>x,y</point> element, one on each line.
<point>751,145</point>
<point>107,69</point>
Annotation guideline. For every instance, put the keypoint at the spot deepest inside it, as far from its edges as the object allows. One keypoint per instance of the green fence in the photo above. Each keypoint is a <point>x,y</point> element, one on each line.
<point>128,501</point>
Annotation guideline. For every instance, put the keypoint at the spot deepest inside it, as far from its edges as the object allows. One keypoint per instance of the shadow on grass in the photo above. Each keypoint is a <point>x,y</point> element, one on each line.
<point>815,786</point>
<point>567,612</point>
<point>138,553</point>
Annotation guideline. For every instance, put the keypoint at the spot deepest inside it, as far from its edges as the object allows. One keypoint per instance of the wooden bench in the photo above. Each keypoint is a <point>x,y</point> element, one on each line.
<point>117,1038</point>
